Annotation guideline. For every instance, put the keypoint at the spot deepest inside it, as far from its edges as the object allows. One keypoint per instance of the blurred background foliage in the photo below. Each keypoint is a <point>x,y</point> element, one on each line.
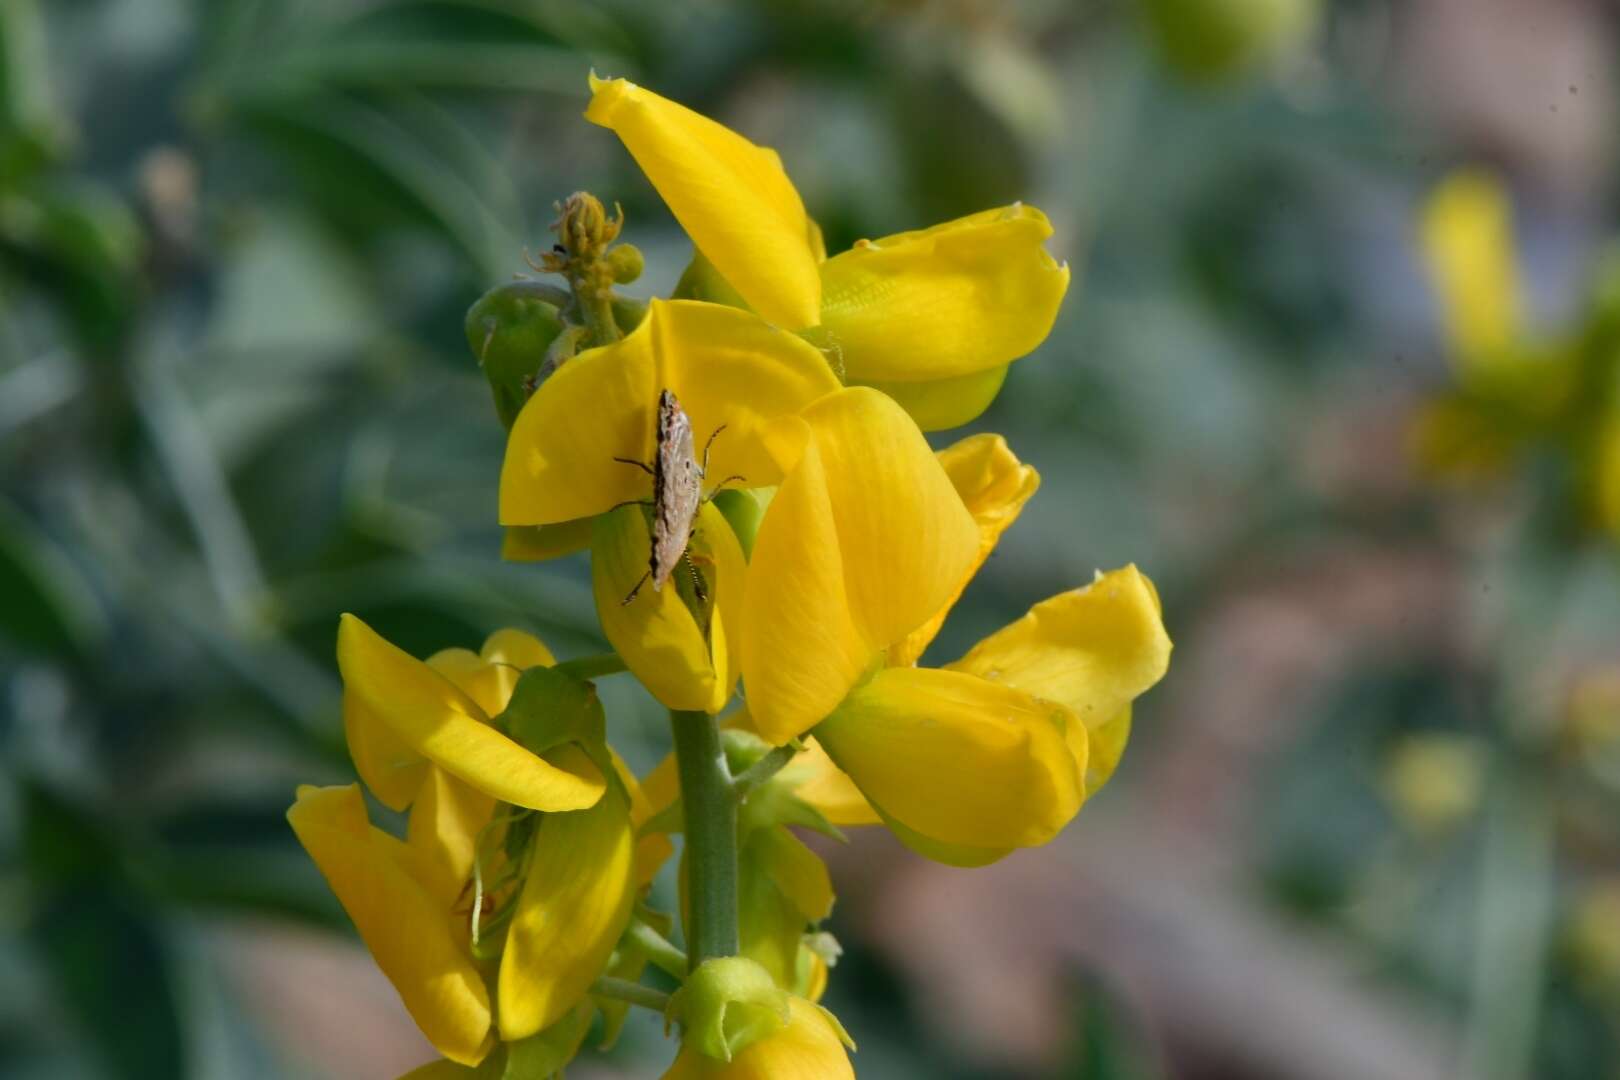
<point>1369,827</point>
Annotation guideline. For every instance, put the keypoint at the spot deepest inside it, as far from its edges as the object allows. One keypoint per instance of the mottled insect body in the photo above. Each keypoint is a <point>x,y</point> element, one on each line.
<point>677,475</point>
<point>677,488</point>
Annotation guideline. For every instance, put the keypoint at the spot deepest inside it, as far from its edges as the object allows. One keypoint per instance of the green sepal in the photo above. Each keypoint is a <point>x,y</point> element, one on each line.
<point>773,803</point>
<point>510,329</point>
<point>550,708</point>
<point>546,1053</point>
<point>728,1004</point>
<point>743,509</point>
<point>701,281</point>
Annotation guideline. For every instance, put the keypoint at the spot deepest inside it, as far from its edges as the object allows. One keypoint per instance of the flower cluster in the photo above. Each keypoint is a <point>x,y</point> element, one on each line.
<point>765,520</point>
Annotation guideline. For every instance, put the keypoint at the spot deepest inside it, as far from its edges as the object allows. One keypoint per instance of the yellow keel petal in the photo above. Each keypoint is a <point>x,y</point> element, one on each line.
<point>412,934</point>
<point>429,714</point>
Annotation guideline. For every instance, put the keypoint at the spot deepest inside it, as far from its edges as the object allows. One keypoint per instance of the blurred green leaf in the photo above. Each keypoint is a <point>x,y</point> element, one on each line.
<point>48,608</point>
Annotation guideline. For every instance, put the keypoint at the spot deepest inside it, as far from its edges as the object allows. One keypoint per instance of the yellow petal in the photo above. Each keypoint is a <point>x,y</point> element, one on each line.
<point>510,653</point>
<point>957,758</point>
<point>783,887</point>
<point>729,370</point>
<point>427,713</point>
<point>475,677</point>
<point>538,543</point>
<point>574,905</point>
<point>445,823</point>
<point>416,940</point>
<point>442,1070</point>
<point>1093,650</point>
<point>731,197</point>
<point>1467,236</point>
<point>864,541</point>
<point>828,788</point>
<point>661,787</point>
<point>994,486</point>
<point>808,1048</point>
<point>952,300</point>
<point>391,769</point>
<point>657,634</point>
<point>938,404</point>
<point>653,849</point>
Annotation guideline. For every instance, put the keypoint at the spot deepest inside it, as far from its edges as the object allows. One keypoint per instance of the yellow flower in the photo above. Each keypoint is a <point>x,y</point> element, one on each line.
<point>733,374</point>
<point>809,1047</point>
<point>577,893</point>
<point>1467,236</point>
<point>400,714</point>
<point>682,647</point>
<point>932,317</point>
<point>964,763</point>
<point>728,368</point>
<point>994,486</point>
<point>402,903</point>
<point>864,540</point>
<point>430,723</point>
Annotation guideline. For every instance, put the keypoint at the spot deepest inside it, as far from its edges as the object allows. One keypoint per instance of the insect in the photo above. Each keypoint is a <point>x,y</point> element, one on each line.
<point>677,493</point>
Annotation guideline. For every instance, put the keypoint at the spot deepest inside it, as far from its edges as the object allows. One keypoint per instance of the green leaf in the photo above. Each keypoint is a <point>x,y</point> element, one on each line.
<point>49,607</point>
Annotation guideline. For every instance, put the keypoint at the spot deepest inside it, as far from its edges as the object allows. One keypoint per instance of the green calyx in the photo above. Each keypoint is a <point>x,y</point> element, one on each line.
<point>510,330</point>
<point>727,1004</point>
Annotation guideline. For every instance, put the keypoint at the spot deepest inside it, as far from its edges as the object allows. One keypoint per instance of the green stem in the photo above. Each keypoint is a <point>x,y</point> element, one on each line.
<point>593,667</point>
<point>633,992</point>
<point>664,956</point>
<point>596,307</point>
<point>711,837</point>
<point>762,770</point>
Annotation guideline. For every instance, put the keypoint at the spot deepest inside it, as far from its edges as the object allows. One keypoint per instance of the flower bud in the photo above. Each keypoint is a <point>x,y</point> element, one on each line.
<point>509,330</point>
<point>1210,40</point>
<point>626,263</point>
<point>584,228</point>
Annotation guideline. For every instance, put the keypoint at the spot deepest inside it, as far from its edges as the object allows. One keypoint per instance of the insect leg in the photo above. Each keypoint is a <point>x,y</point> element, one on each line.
<point>716,489</point>
<point>637,589</point>
<point>709,444</point>
<point>628,502</point>
<point>642,465</point>
<point>700,590</point>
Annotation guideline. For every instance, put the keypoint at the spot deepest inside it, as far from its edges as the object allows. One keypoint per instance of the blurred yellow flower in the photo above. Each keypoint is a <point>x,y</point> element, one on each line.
<point>1467,234</point>
<point>932,317</point>
<point>1515,393</point>
<point>1434,781</point>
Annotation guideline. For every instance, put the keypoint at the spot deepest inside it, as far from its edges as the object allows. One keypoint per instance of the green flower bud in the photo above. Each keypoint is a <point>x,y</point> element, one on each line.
<point>509,330</point>
<point>701,281</point>
<point>728,1004</point>
<point>1211,40</point>
<point>626,263</point>
<point>584,227</point>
